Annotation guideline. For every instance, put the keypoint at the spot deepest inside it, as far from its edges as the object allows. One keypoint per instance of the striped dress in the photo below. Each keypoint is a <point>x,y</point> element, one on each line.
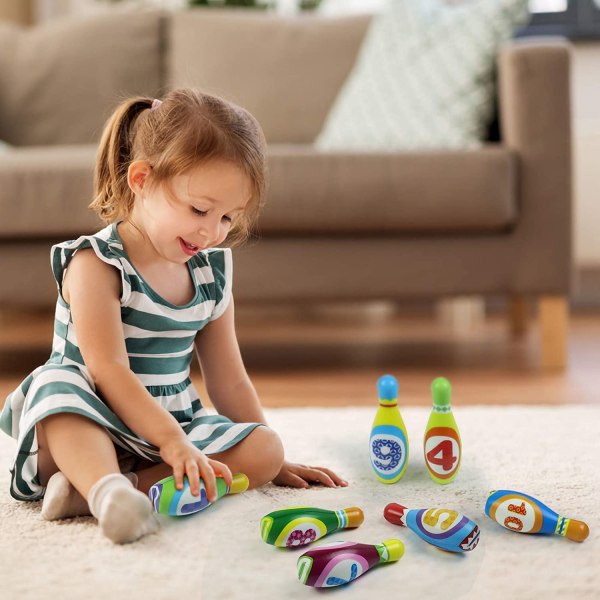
<point>159,337</point>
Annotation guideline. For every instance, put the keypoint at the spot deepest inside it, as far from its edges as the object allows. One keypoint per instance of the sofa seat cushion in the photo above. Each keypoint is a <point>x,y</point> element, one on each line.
<point>319,192</point>
<point>45,191</point>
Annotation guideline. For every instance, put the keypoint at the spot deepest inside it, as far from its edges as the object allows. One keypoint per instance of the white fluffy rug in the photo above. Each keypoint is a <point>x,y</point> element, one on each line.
<point>549,452</point>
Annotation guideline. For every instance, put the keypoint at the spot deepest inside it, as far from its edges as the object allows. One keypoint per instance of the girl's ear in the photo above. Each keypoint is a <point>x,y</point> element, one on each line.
<point>136,175</point>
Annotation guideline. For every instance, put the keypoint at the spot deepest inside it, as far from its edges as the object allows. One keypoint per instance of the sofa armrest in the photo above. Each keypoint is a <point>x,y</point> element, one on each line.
<point>535,122</point>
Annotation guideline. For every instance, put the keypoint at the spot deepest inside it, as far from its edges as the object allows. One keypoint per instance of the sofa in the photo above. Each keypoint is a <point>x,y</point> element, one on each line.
<point>493,221</point>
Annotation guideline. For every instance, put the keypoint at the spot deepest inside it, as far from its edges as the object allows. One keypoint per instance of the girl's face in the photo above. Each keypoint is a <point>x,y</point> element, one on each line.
<point>195,213</point>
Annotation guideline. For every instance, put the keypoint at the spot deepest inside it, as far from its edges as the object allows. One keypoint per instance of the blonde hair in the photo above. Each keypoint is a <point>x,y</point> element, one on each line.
<point>187,129</point>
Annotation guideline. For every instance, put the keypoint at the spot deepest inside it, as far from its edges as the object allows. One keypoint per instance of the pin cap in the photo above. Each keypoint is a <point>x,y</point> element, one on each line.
<point>394,513</point>
<point>441,391</point>
<point>239,483</point>
<point>355,516</point>
<point>395,549</point>
<point>387,386</point>
<point>577,530</point>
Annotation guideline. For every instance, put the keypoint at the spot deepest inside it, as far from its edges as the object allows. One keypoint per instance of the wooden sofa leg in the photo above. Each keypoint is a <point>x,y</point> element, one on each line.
<point>518,314</point>
<point>554,319</point>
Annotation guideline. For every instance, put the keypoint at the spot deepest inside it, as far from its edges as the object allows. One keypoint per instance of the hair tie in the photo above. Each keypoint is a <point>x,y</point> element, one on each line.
<point>155,104</point>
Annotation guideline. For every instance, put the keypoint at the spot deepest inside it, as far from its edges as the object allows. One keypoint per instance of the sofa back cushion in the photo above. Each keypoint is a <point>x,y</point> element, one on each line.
<point>285,70</point>
<point>59,82</point>
<point>425,77</point>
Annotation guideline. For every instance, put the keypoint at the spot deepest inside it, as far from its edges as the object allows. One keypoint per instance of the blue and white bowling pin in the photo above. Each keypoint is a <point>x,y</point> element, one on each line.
<point>388,444</point>
<point>523,513</point>
<point>441,527</point>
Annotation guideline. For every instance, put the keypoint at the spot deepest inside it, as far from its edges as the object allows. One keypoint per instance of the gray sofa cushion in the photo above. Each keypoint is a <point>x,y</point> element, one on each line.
<point>45,192</point>
<point>285,71</point>
<point>412,192</point>
<point>59,82</point>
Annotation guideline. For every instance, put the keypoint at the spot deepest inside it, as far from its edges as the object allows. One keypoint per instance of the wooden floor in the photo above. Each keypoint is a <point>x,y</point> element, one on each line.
<point>332,356</point>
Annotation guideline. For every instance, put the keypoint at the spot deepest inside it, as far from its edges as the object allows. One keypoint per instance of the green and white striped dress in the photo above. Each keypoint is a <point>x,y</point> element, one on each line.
<point>159,337</point>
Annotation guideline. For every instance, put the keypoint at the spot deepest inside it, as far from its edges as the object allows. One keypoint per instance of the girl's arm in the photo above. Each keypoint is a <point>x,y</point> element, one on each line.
<point>227,382</point>
<point>233,395</point>
<point>92,289</point>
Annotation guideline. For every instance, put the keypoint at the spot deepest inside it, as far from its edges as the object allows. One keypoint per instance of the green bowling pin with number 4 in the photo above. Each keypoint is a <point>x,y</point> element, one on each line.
<point>442,444</point>
<point>388,445</point>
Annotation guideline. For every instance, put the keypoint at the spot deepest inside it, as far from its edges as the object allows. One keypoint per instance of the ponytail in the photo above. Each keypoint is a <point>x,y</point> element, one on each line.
<point>113,199</point>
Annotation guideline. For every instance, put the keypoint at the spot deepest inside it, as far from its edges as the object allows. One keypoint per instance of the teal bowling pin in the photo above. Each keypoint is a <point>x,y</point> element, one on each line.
<point>168,500</point>
<point>388,444</point>
<point>442,446</point>
<point>519,512</point>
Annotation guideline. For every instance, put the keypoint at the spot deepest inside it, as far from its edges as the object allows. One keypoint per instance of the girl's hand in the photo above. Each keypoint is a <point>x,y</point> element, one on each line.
<point>186,459</point>
<point>301,476</point>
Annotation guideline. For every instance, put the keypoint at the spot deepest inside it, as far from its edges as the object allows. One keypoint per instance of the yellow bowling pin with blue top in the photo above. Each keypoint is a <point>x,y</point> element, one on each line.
<point>442,445</point>
<point>388,444</point>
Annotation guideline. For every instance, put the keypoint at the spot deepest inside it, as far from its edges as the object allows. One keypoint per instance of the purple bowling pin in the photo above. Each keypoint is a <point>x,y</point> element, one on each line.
<point>340,562</point>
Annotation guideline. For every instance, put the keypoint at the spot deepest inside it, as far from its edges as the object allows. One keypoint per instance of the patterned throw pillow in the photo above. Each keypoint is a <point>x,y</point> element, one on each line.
<point>424,77</point>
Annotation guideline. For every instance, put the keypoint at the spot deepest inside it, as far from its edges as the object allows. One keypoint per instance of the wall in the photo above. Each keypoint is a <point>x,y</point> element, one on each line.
<point>586,145</point>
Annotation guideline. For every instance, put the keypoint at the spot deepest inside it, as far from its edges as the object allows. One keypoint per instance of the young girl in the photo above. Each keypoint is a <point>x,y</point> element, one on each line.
<point>114,410</point>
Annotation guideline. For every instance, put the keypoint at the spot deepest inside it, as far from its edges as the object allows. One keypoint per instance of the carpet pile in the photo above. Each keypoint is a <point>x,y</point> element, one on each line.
<point>551,453</point>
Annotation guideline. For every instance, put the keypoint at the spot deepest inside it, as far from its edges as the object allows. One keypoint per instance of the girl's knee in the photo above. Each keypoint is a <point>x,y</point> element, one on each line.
<point>274,447</point>
<point>268,453</point>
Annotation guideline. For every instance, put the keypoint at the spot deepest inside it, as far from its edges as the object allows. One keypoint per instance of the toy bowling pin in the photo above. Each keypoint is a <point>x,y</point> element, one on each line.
<point>388,445</point>
<point>168,500</point>
<point>340,562</point>
<point>442,446</point>
<point>301,525</point>
<point>525,514</point>
<point>441,527</point>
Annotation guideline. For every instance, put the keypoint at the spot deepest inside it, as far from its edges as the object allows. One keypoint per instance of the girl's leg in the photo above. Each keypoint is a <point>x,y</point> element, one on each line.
<point>46,465</point>
<point>259,456</point>
<point>77,447</point>
<point>85,455</point>
<point>148,475</point>
<point>61,499</point>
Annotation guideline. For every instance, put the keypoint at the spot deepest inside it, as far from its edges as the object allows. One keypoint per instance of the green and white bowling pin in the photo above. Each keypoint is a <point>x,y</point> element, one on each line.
<point>388,444</point>
<point>301,525</point>
<point>442,445</point>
